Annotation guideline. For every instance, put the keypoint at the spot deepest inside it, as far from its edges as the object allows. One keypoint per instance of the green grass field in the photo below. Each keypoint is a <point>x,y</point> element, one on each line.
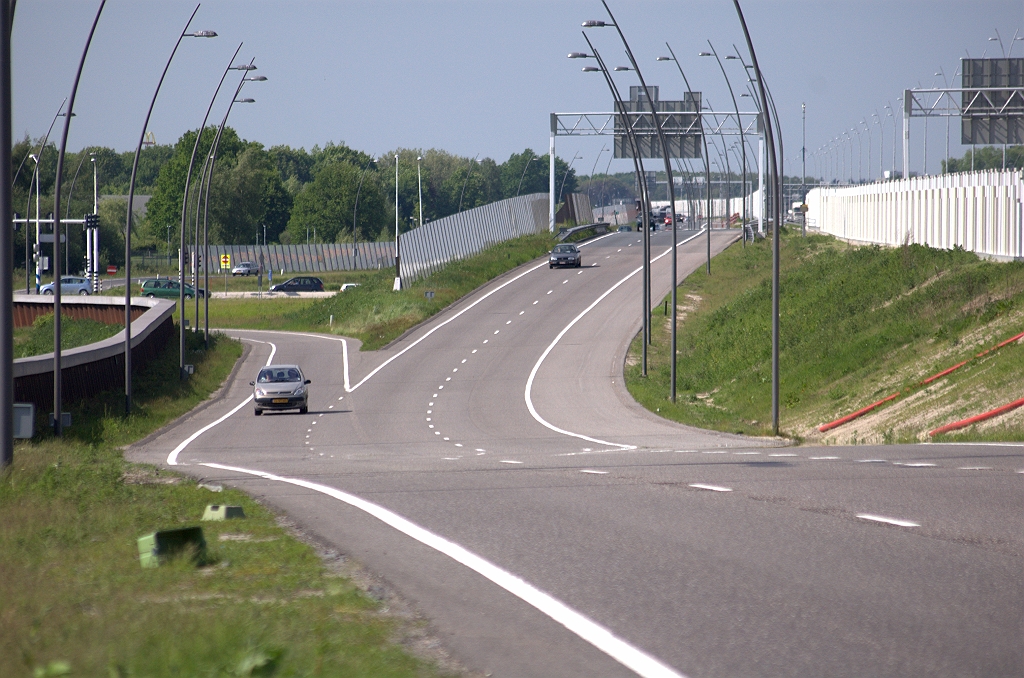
<point>37,338</point>
<point>75,600</point>
<point>857,323</point>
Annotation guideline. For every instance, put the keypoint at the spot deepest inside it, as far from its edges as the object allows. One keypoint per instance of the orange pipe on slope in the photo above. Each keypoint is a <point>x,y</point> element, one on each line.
<point>963,423</point>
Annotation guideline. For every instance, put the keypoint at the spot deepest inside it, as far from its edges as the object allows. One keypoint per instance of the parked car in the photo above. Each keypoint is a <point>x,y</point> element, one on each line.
<point>280,387</point>
<point>565,254</point>
<point>168,289</point>
<point>300,284</point>
<point>245,268</point>
<point>69,285</point>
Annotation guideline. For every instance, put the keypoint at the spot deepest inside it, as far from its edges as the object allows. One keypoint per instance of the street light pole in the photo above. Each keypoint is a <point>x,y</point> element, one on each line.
<point>671,192</point>
<point>761,89</point>
<point>128,220</point>
<point>641,179</point>
<point>57,374</point>
<point>419,183</point>
<point>6,245</point>
<point>184,212</point>
<point>525,167</point>
<point>398,267</point>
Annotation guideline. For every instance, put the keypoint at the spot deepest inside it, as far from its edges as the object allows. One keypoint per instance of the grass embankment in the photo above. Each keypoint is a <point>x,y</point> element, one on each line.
<point>856,324</point>
<point>372,312</point>
<point>37,338</point>
<point>75,600</point>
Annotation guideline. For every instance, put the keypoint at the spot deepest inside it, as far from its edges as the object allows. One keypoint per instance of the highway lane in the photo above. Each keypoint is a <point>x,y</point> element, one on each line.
<point>776,575</point>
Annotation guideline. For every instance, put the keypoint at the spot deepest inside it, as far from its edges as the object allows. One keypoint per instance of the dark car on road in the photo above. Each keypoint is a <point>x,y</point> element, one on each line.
<point>167,289</point>
<point>300,284</point>
<point>565,254</point>
<point>281,387</point>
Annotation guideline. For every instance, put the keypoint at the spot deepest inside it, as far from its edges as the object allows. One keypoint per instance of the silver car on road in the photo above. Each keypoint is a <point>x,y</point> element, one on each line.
<point>281,387</point>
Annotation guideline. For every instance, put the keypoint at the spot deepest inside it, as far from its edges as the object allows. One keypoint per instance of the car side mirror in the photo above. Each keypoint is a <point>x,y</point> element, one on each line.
<point>252,383</point>
<point>308,381</point>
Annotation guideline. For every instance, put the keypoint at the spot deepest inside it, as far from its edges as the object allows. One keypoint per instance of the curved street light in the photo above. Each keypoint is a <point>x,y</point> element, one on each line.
<point>206,199</point>
<point>128,220</point>
<point>565,176</point>
<point>672,199</point>
<point>641,179</point>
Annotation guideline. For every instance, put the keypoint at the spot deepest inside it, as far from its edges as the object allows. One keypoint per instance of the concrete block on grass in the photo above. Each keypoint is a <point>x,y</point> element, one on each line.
<point>220,512</point>
<point>156,547</point>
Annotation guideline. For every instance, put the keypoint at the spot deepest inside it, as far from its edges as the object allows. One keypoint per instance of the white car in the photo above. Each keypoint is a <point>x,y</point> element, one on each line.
<point>69,285</point>
<point>245,268</point>
<point>348,286</point>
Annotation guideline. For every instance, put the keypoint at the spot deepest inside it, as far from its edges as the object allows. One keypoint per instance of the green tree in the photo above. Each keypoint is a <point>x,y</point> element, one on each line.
<point>326,204</point>
<point>536,178</point>
<point>246,196</point>
<point>987,157</point>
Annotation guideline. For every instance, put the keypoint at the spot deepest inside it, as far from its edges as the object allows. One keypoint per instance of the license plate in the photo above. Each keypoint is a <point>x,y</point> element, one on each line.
<point>279,401</point>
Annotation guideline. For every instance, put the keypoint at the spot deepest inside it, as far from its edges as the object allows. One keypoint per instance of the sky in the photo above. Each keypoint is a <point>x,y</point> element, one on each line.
<point>481,77</point>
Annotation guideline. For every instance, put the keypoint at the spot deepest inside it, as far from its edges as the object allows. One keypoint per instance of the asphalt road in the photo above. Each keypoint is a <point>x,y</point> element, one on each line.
<point>491,467</point>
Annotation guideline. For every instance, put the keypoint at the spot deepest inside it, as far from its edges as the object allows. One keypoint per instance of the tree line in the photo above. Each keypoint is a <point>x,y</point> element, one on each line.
<point>328,194</point>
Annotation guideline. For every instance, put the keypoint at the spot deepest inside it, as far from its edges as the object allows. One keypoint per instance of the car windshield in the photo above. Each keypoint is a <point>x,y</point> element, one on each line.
<point>564,249</point>
<point>278,374</point>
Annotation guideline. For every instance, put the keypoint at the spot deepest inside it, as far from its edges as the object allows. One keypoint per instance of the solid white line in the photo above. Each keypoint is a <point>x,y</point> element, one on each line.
<point>597,473</point>
<point>783,454</point>
<point>509,461</point>
<point>888,521</point>
<point>823,458</point>
<point>713,488</point>
<point>172,458</point>
<point>603,639</point>
<point>551,346</point>
<point>917,464</point>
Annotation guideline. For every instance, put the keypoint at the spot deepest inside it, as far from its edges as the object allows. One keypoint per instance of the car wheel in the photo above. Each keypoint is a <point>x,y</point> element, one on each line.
<point>83,293</point>
<point>551,265</point>
<point>48,292</point>
<point>303,410</point>
<point>150,295</point>
<point>257,412</point>
<point>188,296</point>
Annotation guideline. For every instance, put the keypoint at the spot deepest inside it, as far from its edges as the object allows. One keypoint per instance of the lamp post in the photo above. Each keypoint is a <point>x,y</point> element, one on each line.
<point>565,176</point>
<point>419,183</point>
<point>892,115</point>
<point>398,269</point>
<point>868,130</point>
<point>6,245</point>
<point>355,209</point>
<point>739,124</point>
<point>763,95</point>
<point>641,179</point>
<point>466,182</point>
<point>206,198</point>
<point>604,147</point>
<point>526,166</point>
<point>128,221</point>
<point>57,374</point>
<point>184,211</point>
<point>881,142</point>
<point>671,190</point>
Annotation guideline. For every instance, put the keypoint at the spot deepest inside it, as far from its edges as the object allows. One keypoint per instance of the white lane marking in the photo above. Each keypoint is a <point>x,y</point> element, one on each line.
<point>783,454</point>
<point>888,521</point>
<point>464,361</point>
<point>600,637</point>
<point>508,322</point>
<point>496,331</point>
<point>475,350</point>
<point>172,458</point>
<point>458,444</point>
<point>975,468</point>
<point>913,464</point>
<point>442,385</point>
<point>486,340</point>
<point>551,346</point>
<point>870,461</point>
<point>446,379</point>
<point>457,369</point>
<point>509,461</point>
<point>565,281</point>
<point>829,458</point>
<point>330,407</point>
<point>535,303</point>
<point>341,398</point>
<point>597,473</point>
<point>445,438</point>
<point>746,453</point>
<point>522,312</point>
<point>479,449</point>
<point>713,488</point>
<point>451,458</point>
<point>437,433</point>
<point>714,452</point>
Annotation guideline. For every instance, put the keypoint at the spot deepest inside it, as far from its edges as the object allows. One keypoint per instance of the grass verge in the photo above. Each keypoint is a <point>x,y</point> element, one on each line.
<point>856,324</point>
<point>37,338</point>
<point>372,312</point>
<point>75,600</point>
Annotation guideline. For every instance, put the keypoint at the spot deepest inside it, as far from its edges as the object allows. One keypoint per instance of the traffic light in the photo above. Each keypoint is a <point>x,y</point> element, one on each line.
<point>92,221</point>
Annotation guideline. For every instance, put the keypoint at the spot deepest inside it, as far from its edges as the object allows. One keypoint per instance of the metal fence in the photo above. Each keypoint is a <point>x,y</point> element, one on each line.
<point>309,258</point>
<point>429,247</point>
<point>978,211</point>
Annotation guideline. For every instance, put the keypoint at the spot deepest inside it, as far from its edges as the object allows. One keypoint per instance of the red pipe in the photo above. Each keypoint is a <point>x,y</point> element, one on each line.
<point>963,423</point>
<point>850,417</point>
<point>859,413</point>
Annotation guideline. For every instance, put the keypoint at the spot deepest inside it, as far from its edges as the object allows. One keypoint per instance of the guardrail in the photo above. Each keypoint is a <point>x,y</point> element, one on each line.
<point>88,370</point>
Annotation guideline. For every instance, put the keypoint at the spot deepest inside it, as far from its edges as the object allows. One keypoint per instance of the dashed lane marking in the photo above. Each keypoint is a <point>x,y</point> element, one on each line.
<point>713,488</point>
<point>888,521</point>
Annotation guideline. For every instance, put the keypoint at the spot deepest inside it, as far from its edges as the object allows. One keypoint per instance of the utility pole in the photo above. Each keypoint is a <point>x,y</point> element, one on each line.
<point>803,163</point>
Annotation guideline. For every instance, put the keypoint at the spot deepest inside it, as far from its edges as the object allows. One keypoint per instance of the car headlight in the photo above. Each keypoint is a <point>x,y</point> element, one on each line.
<point>299,391</point>
<point>260,392</point>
